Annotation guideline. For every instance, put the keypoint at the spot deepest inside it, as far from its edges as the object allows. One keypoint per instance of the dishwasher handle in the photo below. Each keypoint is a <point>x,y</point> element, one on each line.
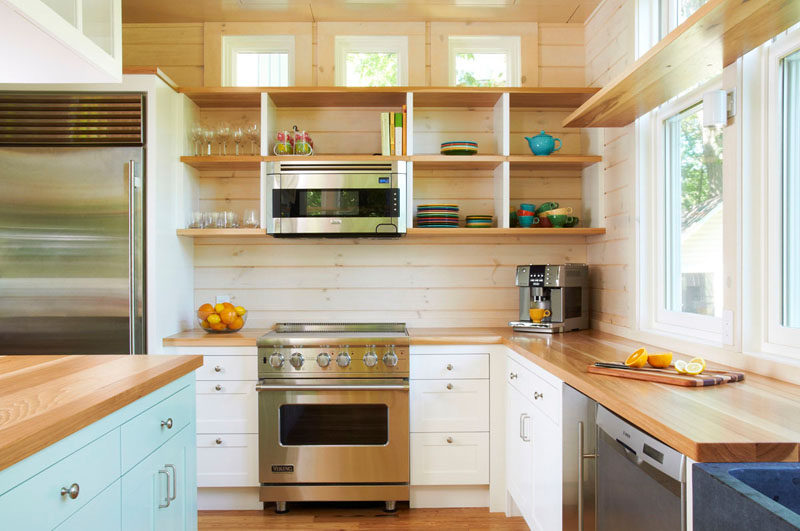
<point>581,457</point>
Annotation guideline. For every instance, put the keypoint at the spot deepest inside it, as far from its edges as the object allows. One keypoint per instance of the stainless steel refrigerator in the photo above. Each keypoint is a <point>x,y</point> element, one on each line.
<point>72,223</point>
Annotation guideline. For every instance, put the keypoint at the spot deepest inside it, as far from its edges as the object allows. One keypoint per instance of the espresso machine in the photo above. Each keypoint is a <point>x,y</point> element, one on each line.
<point>561,289</point>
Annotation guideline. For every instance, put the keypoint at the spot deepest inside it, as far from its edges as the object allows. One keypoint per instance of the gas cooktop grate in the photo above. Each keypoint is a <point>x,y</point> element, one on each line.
<point>380,328</point>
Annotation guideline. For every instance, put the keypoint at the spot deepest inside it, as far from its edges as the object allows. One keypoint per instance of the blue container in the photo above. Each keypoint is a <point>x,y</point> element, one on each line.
<point>543,144</point>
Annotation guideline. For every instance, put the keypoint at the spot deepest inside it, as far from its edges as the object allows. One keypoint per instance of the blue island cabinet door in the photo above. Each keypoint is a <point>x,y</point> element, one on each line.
<point>160,492</point>
<point>100,514</point>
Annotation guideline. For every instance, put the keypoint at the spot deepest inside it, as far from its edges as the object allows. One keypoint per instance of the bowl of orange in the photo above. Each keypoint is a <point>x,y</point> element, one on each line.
<point>221,318</point>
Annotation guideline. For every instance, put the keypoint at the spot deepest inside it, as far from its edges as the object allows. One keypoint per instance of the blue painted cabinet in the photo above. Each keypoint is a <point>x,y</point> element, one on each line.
<point>134,469</point>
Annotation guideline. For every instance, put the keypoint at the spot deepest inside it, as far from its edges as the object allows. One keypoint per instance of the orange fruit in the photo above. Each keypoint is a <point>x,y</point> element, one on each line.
<point>240,310</point>
<point>213,319</point>
<point>228,316</point>
<point>219,307</point>
<point>638,359</point>
<point>205,324</point>
<point>218,327</point>
<point>236,324</point>
<point>204,311</point>
<point>228,306</point>
<point>660,360</point>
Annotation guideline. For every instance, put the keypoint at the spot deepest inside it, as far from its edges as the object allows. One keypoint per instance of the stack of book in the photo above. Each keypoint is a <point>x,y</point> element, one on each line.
<point>393,133</point>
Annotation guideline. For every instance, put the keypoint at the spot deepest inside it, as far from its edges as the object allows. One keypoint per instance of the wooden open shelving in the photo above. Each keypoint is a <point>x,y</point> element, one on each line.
<point>716,34</point>
<point>456,162</point>
<point>223,162</point>
<point>414,231</point>
<point>233,97</point>
<point>552,162</point>
<point>227,233</point>
<point>353,157</point>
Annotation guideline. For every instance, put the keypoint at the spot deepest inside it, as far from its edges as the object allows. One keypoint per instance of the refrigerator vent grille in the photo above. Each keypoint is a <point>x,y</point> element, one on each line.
<point>59,119</point>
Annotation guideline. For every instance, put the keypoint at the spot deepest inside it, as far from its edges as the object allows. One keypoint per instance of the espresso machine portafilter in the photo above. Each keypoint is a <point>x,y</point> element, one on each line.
<point>562,289</point>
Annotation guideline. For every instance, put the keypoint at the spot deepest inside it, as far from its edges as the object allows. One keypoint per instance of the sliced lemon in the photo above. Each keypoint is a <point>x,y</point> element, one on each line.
<point>638,359</point>
<point>660,360</point>
<point>694,368</point>
<point>701,361</point>
<point>680,366</point>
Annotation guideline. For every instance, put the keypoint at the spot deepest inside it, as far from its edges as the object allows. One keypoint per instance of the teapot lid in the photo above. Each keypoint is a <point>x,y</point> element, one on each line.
<point>543,134</point>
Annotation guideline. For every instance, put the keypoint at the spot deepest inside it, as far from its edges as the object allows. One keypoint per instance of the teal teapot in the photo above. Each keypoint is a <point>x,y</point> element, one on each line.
<point>543,144</point>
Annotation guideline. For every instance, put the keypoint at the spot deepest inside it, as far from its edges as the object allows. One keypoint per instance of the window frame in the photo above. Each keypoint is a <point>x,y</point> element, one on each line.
<point>655,314</point>
<point>344,44</point>
<point>235,44</point>
<point>777,338</point>
<point>511,45</point>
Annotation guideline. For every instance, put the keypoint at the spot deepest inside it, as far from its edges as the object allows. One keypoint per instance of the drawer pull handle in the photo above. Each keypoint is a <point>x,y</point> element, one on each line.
<point>537,395</point>
<point>512,376</point>
<point>449,386</point>
<point>217,369</point>
<point>449,366</point>
<point>450,440</point>
<point>72,491</point>
<point>167,423</point>
<point>166,499</point>
<point>218,387</point>
<point>218,441</point>
<point>174,483</point>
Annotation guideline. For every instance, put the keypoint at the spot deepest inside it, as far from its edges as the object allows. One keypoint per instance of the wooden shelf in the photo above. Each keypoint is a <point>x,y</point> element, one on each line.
<point>456,162</point>
<point>552,162</point>
<point>354,157</point>
<point>495,231</point>
<point>393,97</point>
<point>225,233</point>
<point>226,162</point>
<point>716,34</point>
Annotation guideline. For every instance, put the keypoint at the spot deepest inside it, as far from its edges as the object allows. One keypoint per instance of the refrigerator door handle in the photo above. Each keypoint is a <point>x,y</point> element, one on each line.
<point>131,257</point>
<point>581,457</point>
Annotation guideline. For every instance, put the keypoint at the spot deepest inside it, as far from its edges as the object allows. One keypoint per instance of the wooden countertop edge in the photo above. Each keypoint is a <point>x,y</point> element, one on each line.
<point>58,423</point>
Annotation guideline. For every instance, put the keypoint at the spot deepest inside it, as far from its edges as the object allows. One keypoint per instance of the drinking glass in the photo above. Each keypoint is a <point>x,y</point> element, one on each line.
<point>219,221</point>
<point>238,136</point>
<point>253,134</point>
<point>208,139</point>
<point>198,220</point>
<point>224,134</point>
<point>196,135</point>
<point>250,219</point>
<point>210,220</point>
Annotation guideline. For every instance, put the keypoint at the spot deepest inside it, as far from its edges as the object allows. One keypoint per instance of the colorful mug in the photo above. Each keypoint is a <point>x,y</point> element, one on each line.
<point>544,207</point>
<point>560,220</point>
<point>537,314</point>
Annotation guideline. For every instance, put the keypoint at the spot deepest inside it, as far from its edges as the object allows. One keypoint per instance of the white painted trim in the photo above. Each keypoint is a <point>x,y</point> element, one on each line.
<point>433,497</point>
<point>507,44</point>
<point>228,499</point>
<point>234,44</point>
<point>344,44</point>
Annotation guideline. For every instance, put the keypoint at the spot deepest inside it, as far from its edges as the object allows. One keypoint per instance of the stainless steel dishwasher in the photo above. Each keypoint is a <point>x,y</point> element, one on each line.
<point>641,482</point>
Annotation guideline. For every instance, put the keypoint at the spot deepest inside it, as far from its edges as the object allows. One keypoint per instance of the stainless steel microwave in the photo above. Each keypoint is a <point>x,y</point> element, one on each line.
<point>325,198</point>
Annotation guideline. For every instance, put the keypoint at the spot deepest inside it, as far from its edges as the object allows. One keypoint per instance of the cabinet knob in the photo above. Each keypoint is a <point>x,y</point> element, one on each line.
<point>512,376</point>
<point>218,387</point>
<point>218,441</point>
<point>537,395</point>
<point>449,366</point>
<point>449,386</point>
<point>167,423</point>
<point>72,491</point>
<point>450,440</point>
<point>217,369</point>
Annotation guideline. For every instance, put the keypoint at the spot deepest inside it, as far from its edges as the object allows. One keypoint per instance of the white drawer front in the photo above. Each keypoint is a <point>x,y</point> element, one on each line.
<point>231,462</point>
<point>449,458</point>
<point>542,394</point>
<point>445,405</point>
<point>449,366</point>
<point>227,407</point>
<point>229,368</point>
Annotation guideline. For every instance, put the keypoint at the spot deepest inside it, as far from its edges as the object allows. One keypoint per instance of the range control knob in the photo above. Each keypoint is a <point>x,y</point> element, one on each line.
<point>390,358</point>
<point>296,360</point>
<point>323,359</point>
<point>276,360</point>
<point>370,359</point>
<point>343,359</point>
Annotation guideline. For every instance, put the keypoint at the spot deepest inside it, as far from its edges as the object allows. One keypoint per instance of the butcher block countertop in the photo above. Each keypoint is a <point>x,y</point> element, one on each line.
<point>754,420</point>
<point>46,398</point>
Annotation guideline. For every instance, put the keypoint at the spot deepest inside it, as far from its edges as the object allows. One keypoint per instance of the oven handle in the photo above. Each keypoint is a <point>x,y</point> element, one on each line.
<point>278,387</point>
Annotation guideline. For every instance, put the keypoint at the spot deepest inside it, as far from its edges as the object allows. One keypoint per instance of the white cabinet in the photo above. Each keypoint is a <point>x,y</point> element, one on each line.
<point>449,405</point>
<point>61,41</point>
<point>227,460</point>
<point>454,459</point>
<point>227,407</point>
<point>547,481</point>
<point>519,450</point>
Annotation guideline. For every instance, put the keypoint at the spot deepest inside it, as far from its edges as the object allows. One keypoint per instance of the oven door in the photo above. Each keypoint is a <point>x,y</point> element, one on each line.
<point>336,203</point>
<point>333,431</point>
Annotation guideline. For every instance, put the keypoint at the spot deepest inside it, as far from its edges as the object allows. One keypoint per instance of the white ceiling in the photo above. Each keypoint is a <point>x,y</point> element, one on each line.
<point>356,10</point>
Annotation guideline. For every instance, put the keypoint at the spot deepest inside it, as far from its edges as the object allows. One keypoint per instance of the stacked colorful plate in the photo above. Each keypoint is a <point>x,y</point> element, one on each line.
<point>479,221</point>
<point>437,215</point>
<point>461,147</point>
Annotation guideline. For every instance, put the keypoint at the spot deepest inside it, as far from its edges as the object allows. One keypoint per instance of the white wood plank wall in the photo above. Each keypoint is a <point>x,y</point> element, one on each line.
<point>609,49</point>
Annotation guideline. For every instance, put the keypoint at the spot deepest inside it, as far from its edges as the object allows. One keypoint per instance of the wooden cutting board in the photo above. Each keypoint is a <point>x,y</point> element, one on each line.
<point>669,376</point>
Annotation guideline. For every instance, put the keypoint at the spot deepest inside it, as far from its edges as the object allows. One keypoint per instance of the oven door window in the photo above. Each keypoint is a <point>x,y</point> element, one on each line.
<point>344,203</point>
<point>334,424</point>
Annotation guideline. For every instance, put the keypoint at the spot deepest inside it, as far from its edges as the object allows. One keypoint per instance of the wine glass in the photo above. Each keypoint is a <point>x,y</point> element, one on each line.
<point>238,136</point>
<point>208,139</point>
<point>253,134</point>
<point>195,136</point>
<point>224,134</point>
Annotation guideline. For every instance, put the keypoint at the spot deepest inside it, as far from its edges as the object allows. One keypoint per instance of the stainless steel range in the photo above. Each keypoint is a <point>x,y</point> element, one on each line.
<point>333,413</point>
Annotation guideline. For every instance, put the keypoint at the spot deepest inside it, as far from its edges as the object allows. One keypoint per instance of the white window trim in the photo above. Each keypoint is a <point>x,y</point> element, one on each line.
<point>779,339</point>
<point>234,44</point>
<point>344,44</point>
<point>510,45</point>
<point>653,315</point>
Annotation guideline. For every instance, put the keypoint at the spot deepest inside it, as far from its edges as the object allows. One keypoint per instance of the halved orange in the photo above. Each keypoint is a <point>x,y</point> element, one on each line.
<point>660,360</point>
<point>638,359</point>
